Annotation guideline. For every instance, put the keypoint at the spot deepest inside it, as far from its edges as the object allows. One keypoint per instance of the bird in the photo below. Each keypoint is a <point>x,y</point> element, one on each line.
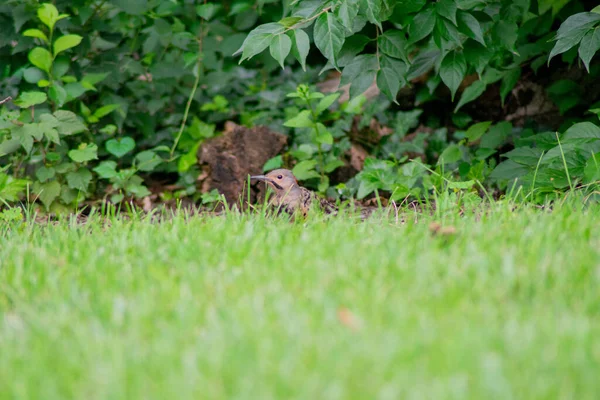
<point>292,198</point>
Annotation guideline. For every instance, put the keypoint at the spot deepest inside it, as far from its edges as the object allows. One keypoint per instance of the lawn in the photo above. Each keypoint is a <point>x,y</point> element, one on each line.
<point>247,307</point>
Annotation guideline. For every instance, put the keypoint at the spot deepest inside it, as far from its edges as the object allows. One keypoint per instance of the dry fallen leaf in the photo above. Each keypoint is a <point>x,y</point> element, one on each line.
<point>348,319</point>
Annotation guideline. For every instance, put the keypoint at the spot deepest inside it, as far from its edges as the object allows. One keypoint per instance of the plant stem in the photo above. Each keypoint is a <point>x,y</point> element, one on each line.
<point>319,151</point>
<point>564,162</point>
<point>190,98</point>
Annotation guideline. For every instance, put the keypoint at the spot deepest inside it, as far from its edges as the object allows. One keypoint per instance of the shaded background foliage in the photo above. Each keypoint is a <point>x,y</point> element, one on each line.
<point>113,97</point>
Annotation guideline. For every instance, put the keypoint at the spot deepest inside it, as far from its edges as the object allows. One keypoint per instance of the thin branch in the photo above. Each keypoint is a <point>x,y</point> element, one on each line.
<point>5,100</point>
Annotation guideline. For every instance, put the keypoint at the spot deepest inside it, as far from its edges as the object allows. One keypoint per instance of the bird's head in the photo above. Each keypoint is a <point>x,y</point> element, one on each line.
<point>281,180</point>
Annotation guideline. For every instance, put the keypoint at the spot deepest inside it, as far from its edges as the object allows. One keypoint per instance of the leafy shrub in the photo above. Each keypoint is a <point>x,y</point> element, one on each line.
<point>109,96</point>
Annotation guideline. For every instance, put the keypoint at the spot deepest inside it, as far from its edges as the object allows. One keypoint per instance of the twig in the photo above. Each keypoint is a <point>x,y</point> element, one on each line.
<point>5,100</point>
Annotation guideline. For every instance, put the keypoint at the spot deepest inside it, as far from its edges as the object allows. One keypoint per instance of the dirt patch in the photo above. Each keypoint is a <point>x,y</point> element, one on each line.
<point>228,159</point>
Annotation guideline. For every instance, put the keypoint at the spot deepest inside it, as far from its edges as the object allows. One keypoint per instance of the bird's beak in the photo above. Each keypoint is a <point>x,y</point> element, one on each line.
<point>260,178</point>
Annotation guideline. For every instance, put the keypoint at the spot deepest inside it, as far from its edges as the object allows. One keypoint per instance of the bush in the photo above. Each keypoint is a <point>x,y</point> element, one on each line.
<point>108,96</point>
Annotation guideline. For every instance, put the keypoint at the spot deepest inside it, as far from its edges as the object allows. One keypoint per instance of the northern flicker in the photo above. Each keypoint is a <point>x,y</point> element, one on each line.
<point>290,196</point>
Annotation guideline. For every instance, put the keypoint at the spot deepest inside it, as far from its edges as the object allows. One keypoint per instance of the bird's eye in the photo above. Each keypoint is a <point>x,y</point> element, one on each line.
<point>279,177</point>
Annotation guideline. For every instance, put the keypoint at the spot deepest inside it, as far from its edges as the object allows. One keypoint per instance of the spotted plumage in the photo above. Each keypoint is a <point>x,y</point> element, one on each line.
<point>290,196</point>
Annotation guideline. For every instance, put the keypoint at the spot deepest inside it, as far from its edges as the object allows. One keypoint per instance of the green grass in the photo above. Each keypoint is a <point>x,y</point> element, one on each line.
<point>244,307</point>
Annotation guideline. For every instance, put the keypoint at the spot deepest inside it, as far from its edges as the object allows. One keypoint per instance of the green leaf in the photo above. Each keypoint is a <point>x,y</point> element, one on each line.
<point>469,26</point>
<point>372,9</point>
<point>288,22</point>
<point>421,26</point>
<point>9,146</point>
<point>69,123</point>
<point>496,135</point>
<point>572,31</point>
<point>305,170</point>
<point>589,46</point>
<point>48,14</point>
<point>207,11</point>
<point>36,33</point>
<point>453,70</point>
<point>508,170</point>
<point>85,152</point>
<point>120,147</point>
<point>472,92</point>
<point>475,131</point>
<point>105,110</point>
<point>347,13</point>
<point>388,81</point>
<point>147,160</point>
<point>33,75</point>
<point>29,99</point>
<point>393,43</point>
<point>506,33</point>
<point>273,163</point>
<point>582,130</point>
<point>450,155</point>
<point>65,43</point>
<point>329,36</point>
<point>461,185</point>
<point>41,58</point>
<point>302,120</point>
<point>280,48</point>
<point>591,171</point>
<point>57,94</point>
<point>326,102</point>
<point>528,156</point>
<point>447,9</point>
<point>44,173</point>
<point>106,169</point>
<point>259,39</point>
<point>360,73</point>
<point>322,135</point>
<point>80,179</point>
<point>509,80</point>
<point>300,46</point>
<point>47,192</point>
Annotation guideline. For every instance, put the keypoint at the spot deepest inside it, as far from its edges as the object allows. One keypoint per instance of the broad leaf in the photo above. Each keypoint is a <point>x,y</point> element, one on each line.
<point>302,120</point>
<point>259,39</point>
<point>453,70</point>
<point>65,43</point>
<point>447,9</point>
<point>347,13</point>
<point>572,31</point>
<point>393,43</point>
<point>47,192</point>
<point>305,170</point>
<point>589,46</point>
<point>36,33</point>
<point>300,46</point>
<point>469,26</point>
<point>475,131</point>
<point>280,48</point>
<point>106,169</point>
<point>41,58</point>
<point>29,99</point>
<point>147,160</point>
<point>120,147</point>
<point>421,26</point>
<point>80,179</point>
<point>329,36</point>
<point>44,173</point>
<point>472,92</point>
<point>48,14</point>
<point>326,102</point>
<point>85,152</point>
<point>69,123</point>
<point>372,9</point>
